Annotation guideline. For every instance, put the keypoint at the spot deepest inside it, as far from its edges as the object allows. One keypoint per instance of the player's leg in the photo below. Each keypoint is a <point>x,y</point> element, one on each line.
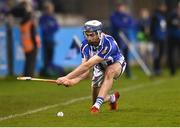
<point>111,72</point>
<point>97,79</point>
<point>95,92</point>
<point>113,98</point>
<point>95,87</point>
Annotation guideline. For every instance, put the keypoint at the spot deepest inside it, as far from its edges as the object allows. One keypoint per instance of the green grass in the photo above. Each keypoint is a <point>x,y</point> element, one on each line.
<point>143,102</point>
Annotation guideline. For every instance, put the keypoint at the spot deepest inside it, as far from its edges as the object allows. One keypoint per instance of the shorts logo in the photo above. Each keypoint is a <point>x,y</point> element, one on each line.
<point>104,51</point>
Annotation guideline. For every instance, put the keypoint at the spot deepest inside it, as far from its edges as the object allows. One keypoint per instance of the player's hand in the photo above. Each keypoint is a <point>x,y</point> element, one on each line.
<point>63,81</point>
<point>60,80</point>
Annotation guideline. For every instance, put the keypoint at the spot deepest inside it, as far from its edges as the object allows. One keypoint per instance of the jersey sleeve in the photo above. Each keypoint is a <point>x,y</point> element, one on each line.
<point>85,50</point>
<point>105,49</point>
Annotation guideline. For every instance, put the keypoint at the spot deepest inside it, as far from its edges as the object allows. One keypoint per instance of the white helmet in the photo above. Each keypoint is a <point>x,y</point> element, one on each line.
<point>93,25</point>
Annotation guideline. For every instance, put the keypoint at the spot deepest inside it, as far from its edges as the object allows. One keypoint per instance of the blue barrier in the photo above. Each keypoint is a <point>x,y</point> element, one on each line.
<point>64,40</point>
<point>3,52</point>
<point>18,55</point>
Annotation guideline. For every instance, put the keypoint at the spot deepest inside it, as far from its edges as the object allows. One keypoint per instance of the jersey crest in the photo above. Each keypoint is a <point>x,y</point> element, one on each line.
<point>104,51</point>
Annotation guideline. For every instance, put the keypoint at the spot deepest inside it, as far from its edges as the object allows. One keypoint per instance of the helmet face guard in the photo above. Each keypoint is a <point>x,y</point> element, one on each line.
<point>92,33</point>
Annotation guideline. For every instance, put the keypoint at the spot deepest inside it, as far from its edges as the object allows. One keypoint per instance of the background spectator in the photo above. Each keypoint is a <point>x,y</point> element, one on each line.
<point>145,46</point>
<point>49,26</point>
<point>30,39</point>
<point>173,39</point>
<point>159,35</point>
<point>121,21</point>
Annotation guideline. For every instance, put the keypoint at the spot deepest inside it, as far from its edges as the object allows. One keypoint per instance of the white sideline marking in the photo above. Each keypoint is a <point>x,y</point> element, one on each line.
<point>76,100</point>
<point>43,108</point>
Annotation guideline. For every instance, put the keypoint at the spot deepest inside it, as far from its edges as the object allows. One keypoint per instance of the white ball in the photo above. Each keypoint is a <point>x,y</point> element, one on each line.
<point>60,114</point>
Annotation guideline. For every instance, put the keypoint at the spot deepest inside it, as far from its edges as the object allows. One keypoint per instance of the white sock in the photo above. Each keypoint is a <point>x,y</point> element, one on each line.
<point>99,102</point>
<point>96,105</point>
<point>112,98</point>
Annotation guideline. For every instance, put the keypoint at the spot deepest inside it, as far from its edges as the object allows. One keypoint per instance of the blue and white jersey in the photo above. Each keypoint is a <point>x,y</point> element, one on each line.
<point>107,49</point>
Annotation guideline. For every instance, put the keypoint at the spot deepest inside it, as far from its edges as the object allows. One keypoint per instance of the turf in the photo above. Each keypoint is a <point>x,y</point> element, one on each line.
<point>143,102</point>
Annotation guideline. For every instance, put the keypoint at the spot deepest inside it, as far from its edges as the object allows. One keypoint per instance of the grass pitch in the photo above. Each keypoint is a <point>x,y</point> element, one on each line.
<point>143,102</point>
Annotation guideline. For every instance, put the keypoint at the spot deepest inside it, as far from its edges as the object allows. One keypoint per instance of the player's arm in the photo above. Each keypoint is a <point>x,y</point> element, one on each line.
<point>81,69</point>
<point>79,76</point>
<point>85,66</point>
<point>73,81</point>
<point>84,75</point>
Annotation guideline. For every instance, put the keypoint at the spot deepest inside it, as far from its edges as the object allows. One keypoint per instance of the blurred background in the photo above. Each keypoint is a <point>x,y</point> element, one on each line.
<point>43,37</point>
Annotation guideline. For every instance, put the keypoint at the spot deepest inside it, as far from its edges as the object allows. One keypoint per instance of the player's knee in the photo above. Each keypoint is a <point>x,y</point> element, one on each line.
<point>110,73</point>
